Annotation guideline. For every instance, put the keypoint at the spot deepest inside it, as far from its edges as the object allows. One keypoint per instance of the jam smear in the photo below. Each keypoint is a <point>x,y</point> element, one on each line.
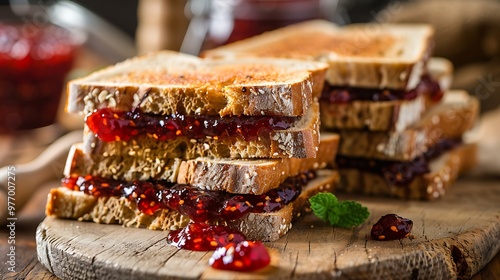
<point>399,173</point>
<point>243,256</point>
<point>343,95</point>
<point>110,125</point>
<point>391,227</point>
<point>198,205</point>
<point>203,237</point>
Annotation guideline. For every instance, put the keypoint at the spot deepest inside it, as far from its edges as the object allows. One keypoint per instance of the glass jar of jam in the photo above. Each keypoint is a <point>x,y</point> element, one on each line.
<point>233,20</point>
<point>35,57</point>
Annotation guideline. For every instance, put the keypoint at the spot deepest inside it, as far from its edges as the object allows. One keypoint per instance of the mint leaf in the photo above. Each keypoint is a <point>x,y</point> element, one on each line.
<point>352,214</point>
<point>321,204</point>
<point>327,207</point>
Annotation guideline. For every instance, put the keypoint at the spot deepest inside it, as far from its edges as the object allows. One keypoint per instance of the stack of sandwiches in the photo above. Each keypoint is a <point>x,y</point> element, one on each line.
<point>401,128</point>
<point>171,138</point>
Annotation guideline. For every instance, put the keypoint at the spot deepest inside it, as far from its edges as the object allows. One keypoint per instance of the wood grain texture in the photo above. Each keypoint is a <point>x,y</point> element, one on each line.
<point>453,238</point>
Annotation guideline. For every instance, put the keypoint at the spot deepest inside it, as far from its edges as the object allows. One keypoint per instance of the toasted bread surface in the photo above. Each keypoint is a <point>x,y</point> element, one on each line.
<point>169,82</point>
<point>363,55</point>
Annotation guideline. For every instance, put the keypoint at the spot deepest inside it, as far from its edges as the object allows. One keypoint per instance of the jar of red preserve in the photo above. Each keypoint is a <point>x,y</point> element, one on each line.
<point>225,21</point>
<point>35,57</point>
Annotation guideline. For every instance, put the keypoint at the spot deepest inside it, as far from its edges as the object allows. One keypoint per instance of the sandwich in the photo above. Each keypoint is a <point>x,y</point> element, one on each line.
<point>401,128</point>
<point>172,139</point>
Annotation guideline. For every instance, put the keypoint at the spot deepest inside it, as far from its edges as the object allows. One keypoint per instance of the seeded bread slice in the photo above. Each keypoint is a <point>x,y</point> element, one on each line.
<point>253,176</point>
<point>300,141</point>
<point>68,204</point>
<point>430,186</point>
<point>369,55</point>
<point>232,175</point>
<point>450,119</point>
<point>169,82</point>
<point>394,115</point>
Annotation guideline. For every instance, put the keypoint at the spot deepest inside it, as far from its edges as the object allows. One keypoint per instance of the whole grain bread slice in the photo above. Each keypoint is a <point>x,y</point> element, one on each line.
<point>300,140</point>
<point>448,120</point>
<point>429,186</point>
<point>68,204</point>
<point>168,82</point>
<point>370,55</point>
<point>232,175</point>
<point>394,115</point>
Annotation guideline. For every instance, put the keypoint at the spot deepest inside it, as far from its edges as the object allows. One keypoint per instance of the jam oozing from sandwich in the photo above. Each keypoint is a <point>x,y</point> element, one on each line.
<point>399,173</point>
<point>343,95</point>
<point>243,256</point>
<point>391,227</point>
<point>198,205</point>
<point>203,237</point>
<point>110,125</point>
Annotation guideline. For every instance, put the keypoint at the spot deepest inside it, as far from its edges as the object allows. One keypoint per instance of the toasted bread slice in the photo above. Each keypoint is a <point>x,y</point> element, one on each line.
<point>169,82</point>
<point>450,119</point>
<point>65,203</point>
<point>444,171</point>
<point>369,55</point>
<point>394,115</point>
<point>254,176</point>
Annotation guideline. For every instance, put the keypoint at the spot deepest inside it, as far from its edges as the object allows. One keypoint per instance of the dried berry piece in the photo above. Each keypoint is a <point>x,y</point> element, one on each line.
<point>203,237</point>
<point>391,227</point>
<point>244,256</point>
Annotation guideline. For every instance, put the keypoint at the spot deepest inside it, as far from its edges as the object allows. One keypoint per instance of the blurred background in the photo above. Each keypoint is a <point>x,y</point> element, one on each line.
<point>467,33</point>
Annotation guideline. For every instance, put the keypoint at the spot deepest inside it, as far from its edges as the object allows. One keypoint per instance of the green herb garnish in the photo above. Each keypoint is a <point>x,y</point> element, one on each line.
<point>344,214</point>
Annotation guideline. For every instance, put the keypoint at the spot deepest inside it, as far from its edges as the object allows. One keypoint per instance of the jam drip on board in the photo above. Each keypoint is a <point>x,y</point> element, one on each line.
<point>343,95</point>
<point>110,125</point>
<point>198,205</point>
<point>391,227</point>
<point>396,172</point>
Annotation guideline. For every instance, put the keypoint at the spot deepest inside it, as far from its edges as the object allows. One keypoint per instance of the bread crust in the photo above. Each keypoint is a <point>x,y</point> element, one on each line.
<point>451,119</point>
<point>184,84</point>
<point>68,204</point>
<point>433,185</point>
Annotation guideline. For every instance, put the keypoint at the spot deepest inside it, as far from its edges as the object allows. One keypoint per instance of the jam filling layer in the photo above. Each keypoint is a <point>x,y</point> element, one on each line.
<point>198,205</point>
<point>343,95</point>
<point>110,125</point>
<point>399,173</point>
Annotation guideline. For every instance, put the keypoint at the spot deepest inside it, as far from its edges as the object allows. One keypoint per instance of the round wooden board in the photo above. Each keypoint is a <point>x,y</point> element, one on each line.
<point>453,237</point>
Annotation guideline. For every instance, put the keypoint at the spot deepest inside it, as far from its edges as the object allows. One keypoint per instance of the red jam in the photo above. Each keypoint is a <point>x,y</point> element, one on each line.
<point>203,237</point>
<point>391,227</point>
<point>343,95</point>
<point>34,61</point>
<point>198,205</point>
<point>110,125</point>
<point>399,173</point>
<point>243,256</point>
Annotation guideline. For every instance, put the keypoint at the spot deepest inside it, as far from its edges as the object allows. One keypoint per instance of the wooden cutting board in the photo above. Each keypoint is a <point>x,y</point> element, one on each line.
<point>453,238</point>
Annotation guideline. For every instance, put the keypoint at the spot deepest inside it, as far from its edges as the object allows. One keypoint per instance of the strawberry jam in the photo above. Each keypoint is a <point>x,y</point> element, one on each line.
<point>110,125</point>
<point>391,227</point>
<point>343,95</point>
<point>203,237</point>
<point>34,60</point>
<point>198,205</point>
<point>399,173</point>
<point>243,256</point>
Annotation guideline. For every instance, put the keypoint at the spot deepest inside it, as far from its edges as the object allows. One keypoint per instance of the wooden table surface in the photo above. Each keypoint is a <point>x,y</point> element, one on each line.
<point>28,267</point>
